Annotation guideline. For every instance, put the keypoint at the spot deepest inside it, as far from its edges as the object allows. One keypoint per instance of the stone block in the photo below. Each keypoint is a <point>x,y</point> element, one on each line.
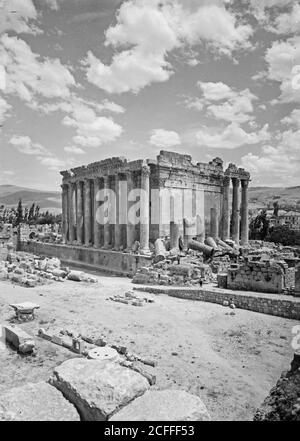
<point>165,405</point>
<point>19,339</point>
<point>36,402</point>
<point>97,388</point>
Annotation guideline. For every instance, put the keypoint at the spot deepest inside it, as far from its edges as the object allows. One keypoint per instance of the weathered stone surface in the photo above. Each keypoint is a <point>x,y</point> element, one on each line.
<point>19,339</point>
<point>165,405</point>
<point>36,402</point>
<point>283,401</point>
<point>97,388</point>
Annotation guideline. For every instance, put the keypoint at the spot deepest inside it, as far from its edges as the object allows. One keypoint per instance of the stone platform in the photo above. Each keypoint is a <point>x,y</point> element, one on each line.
<point>266,303</point>
<point>112,262</point>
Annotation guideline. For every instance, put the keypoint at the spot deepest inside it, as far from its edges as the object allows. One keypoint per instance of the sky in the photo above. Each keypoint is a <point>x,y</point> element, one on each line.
<point>84,80</point>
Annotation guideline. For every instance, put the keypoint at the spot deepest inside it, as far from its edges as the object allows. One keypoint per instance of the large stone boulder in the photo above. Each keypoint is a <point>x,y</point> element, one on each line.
<point>98,388</point>
<point>164,405</point>
<point>19,339</point>
<point>36,402</point>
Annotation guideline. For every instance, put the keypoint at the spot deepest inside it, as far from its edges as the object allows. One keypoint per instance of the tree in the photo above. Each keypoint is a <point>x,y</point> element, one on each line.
<point>31,212</point>
<point>284,235</point>
<point>259,227</point>
<point>36,212</point>
<point>19,217</point>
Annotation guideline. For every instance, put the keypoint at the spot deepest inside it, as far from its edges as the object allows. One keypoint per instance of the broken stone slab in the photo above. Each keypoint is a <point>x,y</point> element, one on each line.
<point>18,338</point>
<point>97,388</point>
<point>36,402</point>
<point>76,276</point>
<point>164,405</point>
<point>104,353</point>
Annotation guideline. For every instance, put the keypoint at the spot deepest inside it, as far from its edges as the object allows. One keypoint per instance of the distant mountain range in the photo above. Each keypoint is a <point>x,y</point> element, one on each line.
<point>47,200</point>
<point>259,197</point>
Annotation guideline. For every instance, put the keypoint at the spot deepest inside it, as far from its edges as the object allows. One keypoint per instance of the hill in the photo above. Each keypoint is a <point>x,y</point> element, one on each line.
<point>260,197</point>
<point>47,200</point>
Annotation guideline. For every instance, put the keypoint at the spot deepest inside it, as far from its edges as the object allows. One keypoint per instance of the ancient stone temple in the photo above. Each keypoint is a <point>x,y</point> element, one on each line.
<point>113,203</point>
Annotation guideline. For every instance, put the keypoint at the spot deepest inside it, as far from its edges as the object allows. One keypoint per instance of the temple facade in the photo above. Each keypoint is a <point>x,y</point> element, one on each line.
<point>114,203</point>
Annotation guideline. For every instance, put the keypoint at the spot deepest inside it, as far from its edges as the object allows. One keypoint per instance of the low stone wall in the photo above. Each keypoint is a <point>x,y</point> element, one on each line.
<point>113,262</point>
<point>272,304</point>
<point>261,276</point>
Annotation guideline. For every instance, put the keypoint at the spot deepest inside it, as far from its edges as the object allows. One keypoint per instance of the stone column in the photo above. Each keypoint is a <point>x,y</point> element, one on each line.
<point>144,210</point>
<point>65,217</point>
<point>244,213</point>
<point>226,209</point>
<point>174,235</point>
<point>97,221</point>
<point>106,225</point>
<point>130,228</point>
<point>71,212</point>
<point>118,227</point>
<point>87,212</point>
<point>236,210</point>
<point>79,220</point>
<point>214,223</point>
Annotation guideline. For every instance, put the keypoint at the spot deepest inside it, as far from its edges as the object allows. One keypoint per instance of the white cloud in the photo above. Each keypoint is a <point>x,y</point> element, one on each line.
<point>276,165</point>
<point>283,59</point>
<point>223,102</point>
<point>4,108</point>
<point>262,8</point>
<point>75,150</point>
<point>17,16</point>
<point>231,137</point>
<point>147,31</point>
<point>92,130</point>
<point>52,4</point>
<point>164,138</point>
<point>25,145</point>
<point>29,77</point>
<point>288,22</point>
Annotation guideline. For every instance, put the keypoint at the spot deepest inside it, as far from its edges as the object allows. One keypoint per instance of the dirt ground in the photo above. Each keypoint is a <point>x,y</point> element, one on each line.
<point>230,362</point>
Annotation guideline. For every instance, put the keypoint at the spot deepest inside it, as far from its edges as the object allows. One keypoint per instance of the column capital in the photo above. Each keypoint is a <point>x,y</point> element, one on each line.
<point>226,181</point>
<point>235,182</point>
<point>245,183</point>
<point>145,170</point>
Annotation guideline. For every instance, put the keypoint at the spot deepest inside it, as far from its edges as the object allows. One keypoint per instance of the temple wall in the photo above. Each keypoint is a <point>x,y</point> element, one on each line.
<point>100,260</point>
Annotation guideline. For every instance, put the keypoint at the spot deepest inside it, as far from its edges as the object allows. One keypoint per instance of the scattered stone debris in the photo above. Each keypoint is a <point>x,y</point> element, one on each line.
<point>98,388</point>
<point>29,270</point>
<point>283,402</point>
<point>131,299</point>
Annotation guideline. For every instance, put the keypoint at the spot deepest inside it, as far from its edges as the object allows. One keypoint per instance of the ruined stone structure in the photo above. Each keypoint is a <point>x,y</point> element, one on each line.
<point>178,198</point>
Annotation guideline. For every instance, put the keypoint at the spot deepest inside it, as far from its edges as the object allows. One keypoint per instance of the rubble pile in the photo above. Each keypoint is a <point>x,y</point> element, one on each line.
<point>29,270</point>
<point>131,299</point>
<point>189,272</point>
<point>283,402</point>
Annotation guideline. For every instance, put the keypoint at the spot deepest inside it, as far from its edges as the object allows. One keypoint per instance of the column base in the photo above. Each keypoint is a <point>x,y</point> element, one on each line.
<point>145,252</point>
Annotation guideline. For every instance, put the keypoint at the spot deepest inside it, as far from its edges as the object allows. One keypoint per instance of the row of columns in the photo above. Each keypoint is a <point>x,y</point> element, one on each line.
<point>92,231</point>
<point>238,228</point>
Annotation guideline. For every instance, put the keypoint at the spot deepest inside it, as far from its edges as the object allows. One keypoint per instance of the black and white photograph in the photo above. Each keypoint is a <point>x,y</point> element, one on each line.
<point>150,213</point>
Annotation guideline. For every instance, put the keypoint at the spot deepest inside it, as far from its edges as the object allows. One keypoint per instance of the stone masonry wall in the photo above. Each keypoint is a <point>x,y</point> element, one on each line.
<point>262,276</point>
<point>264,303</point>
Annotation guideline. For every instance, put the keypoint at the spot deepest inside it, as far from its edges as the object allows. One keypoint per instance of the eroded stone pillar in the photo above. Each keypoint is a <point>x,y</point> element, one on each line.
<point>106,225</point>
<point>236,210</point>
<point>214,223</point>
<point>244,213</point>
<point>65,217</point>
<point>87,212</point>
<point>118,227</point>
<point>79,214</point>
<point>71,212</point>
<point>144,210</point>
<point>174,235</point>
<point>130,227</point>
<point>97,221</point>
<point>226,209</point>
